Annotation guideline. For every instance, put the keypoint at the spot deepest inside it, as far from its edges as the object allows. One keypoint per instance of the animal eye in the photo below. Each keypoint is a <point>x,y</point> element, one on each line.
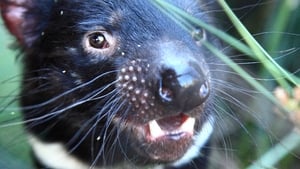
<point>97,40</point>
<point>99,43</point>
<point>199,35</point>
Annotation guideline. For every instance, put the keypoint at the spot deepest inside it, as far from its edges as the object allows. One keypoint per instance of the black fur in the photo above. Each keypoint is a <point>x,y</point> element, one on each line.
<point>80,97</point>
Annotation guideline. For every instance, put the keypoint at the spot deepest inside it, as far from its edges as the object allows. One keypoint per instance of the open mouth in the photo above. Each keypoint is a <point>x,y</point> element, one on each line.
<point>165,139</point>
<point>170,128</point>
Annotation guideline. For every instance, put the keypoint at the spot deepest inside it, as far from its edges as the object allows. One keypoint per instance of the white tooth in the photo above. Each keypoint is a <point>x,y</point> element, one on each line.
<point>188,125</point>
<point>155,130</point>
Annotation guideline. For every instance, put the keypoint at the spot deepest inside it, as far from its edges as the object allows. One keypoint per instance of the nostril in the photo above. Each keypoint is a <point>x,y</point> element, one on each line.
<point>165,94</point>
<point>168,87</point>
<point>182,92</point>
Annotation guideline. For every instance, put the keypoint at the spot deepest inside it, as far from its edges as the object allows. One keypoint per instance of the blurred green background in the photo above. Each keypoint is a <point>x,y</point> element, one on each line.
<point>14,152</point>
<point>274,23</point>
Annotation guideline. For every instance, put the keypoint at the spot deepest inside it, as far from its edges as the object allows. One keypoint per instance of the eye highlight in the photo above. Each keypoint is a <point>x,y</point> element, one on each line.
<point>99,43</point>
<point>98,40</point>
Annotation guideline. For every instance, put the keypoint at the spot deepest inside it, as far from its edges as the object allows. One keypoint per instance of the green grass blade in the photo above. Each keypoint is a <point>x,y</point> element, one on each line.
<point>279,151</point>
<point>276,70</point>
<point>279,22</point>
<point>241,72</point>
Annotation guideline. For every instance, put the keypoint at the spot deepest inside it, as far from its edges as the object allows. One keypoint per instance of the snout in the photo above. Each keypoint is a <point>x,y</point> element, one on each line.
<point>166,94</point>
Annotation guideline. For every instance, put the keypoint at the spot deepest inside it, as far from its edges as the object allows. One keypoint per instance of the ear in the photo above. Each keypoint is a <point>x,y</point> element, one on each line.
<point>24,18</point>
<point>13,14</point>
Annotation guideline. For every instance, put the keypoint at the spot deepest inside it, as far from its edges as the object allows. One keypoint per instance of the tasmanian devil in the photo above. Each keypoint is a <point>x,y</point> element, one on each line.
<point>115,83</point>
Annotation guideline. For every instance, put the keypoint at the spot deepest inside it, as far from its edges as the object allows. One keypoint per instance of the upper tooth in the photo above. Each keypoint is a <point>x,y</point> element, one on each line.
<point>155,130</point>
<point>188,125</point>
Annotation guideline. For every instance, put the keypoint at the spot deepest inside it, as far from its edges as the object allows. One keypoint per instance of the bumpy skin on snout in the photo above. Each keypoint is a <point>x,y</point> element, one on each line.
<point>114,83</point>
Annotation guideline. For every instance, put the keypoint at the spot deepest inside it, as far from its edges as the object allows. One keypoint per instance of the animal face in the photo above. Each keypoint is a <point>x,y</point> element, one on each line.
<point>113,81</point>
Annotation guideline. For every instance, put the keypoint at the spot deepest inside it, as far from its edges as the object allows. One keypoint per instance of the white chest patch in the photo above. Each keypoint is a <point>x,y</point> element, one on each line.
<point>55,155</point>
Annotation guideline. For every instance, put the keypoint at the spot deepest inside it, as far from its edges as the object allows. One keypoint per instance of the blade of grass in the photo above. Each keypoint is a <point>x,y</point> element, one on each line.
<point>276,70</point>
<point>279,22</point>
<point>280,150</point>
<point>242,72</point>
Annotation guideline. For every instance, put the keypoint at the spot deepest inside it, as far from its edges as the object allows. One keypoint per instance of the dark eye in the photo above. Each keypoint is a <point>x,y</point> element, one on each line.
<point>100,43</point>
<point>98,40</point>
<point>198,35</point>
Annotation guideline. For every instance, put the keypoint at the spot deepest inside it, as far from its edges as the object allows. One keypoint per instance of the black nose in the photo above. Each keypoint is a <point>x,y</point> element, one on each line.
<point>183,88</point>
